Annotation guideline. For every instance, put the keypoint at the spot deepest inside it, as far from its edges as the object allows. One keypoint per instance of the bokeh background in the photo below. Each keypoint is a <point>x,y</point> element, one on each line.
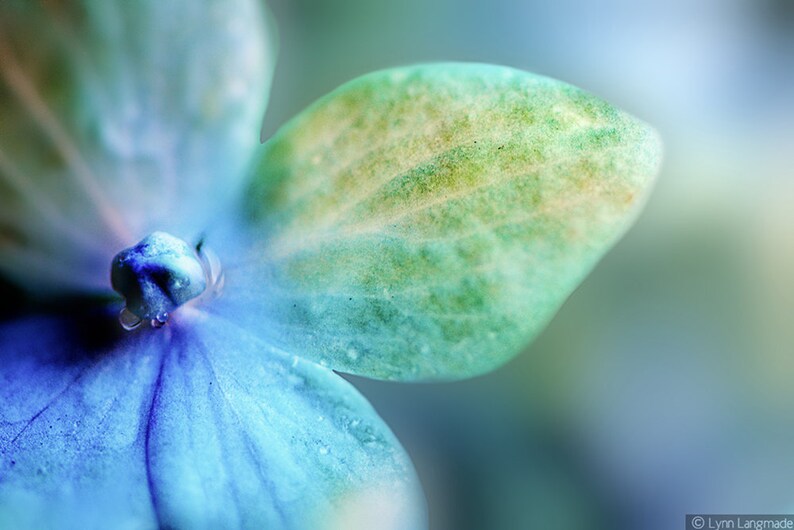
<point>665,386</point>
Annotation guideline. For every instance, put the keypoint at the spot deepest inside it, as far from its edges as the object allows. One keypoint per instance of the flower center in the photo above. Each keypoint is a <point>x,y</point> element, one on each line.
<point>158,275</point>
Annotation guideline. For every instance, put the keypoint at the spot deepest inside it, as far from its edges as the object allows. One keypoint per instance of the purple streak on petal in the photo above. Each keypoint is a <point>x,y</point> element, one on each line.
<point>151,417</point>
<point>44,409</point>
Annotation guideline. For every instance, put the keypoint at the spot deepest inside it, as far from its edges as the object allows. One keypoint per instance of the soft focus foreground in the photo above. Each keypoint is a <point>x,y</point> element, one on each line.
<point>663,386</point>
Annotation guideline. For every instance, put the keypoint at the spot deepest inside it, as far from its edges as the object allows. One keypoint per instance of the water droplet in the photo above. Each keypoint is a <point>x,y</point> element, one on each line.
<point>128,320</point>
<point>160,320</point>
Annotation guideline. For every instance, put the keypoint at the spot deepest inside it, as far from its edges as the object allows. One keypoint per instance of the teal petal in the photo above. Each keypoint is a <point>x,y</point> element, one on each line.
<point>271,441</point>
<point>196,425</point>
<point>427,222</point>
<point>118,119</point>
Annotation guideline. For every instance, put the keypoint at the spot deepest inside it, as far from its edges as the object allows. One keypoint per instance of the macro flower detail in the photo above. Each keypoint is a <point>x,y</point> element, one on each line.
<point>155,277</point>
<point>417,223</point>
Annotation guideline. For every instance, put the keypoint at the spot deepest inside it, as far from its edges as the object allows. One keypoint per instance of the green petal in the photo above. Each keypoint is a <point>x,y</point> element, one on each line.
<point>120,118</point>
<point>427,222</point>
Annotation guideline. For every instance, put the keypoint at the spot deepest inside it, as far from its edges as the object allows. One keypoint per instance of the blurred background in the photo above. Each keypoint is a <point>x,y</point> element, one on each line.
<point>665,385</point>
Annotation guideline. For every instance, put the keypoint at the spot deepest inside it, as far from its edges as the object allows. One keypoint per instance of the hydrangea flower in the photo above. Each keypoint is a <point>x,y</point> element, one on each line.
<point>417,223</point>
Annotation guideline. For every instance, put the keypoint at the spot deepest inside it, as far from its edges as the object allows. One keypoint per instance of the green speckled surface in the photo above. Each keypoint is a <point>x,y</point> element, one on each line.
<point>427,222</point>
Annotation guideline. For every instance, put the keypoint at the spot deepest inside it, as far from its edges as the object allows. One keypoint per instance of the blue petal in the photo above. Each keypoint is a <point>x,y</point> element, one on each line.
<point>72,428</point>
<point>197,425</point>
<point>247,436</point>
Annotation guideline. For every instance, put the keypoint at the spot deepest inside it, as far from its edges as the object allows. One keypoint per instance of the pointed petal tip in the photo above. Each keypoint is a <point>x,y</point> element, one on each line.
<point>428,221</point>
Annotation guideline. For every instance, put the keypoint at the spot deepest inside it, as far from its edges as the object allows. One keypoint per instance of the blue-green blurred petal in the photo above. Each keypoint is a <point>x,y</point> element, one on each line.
<point>194,426</point>
<point>120,118</point>
<point>428,221</point>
